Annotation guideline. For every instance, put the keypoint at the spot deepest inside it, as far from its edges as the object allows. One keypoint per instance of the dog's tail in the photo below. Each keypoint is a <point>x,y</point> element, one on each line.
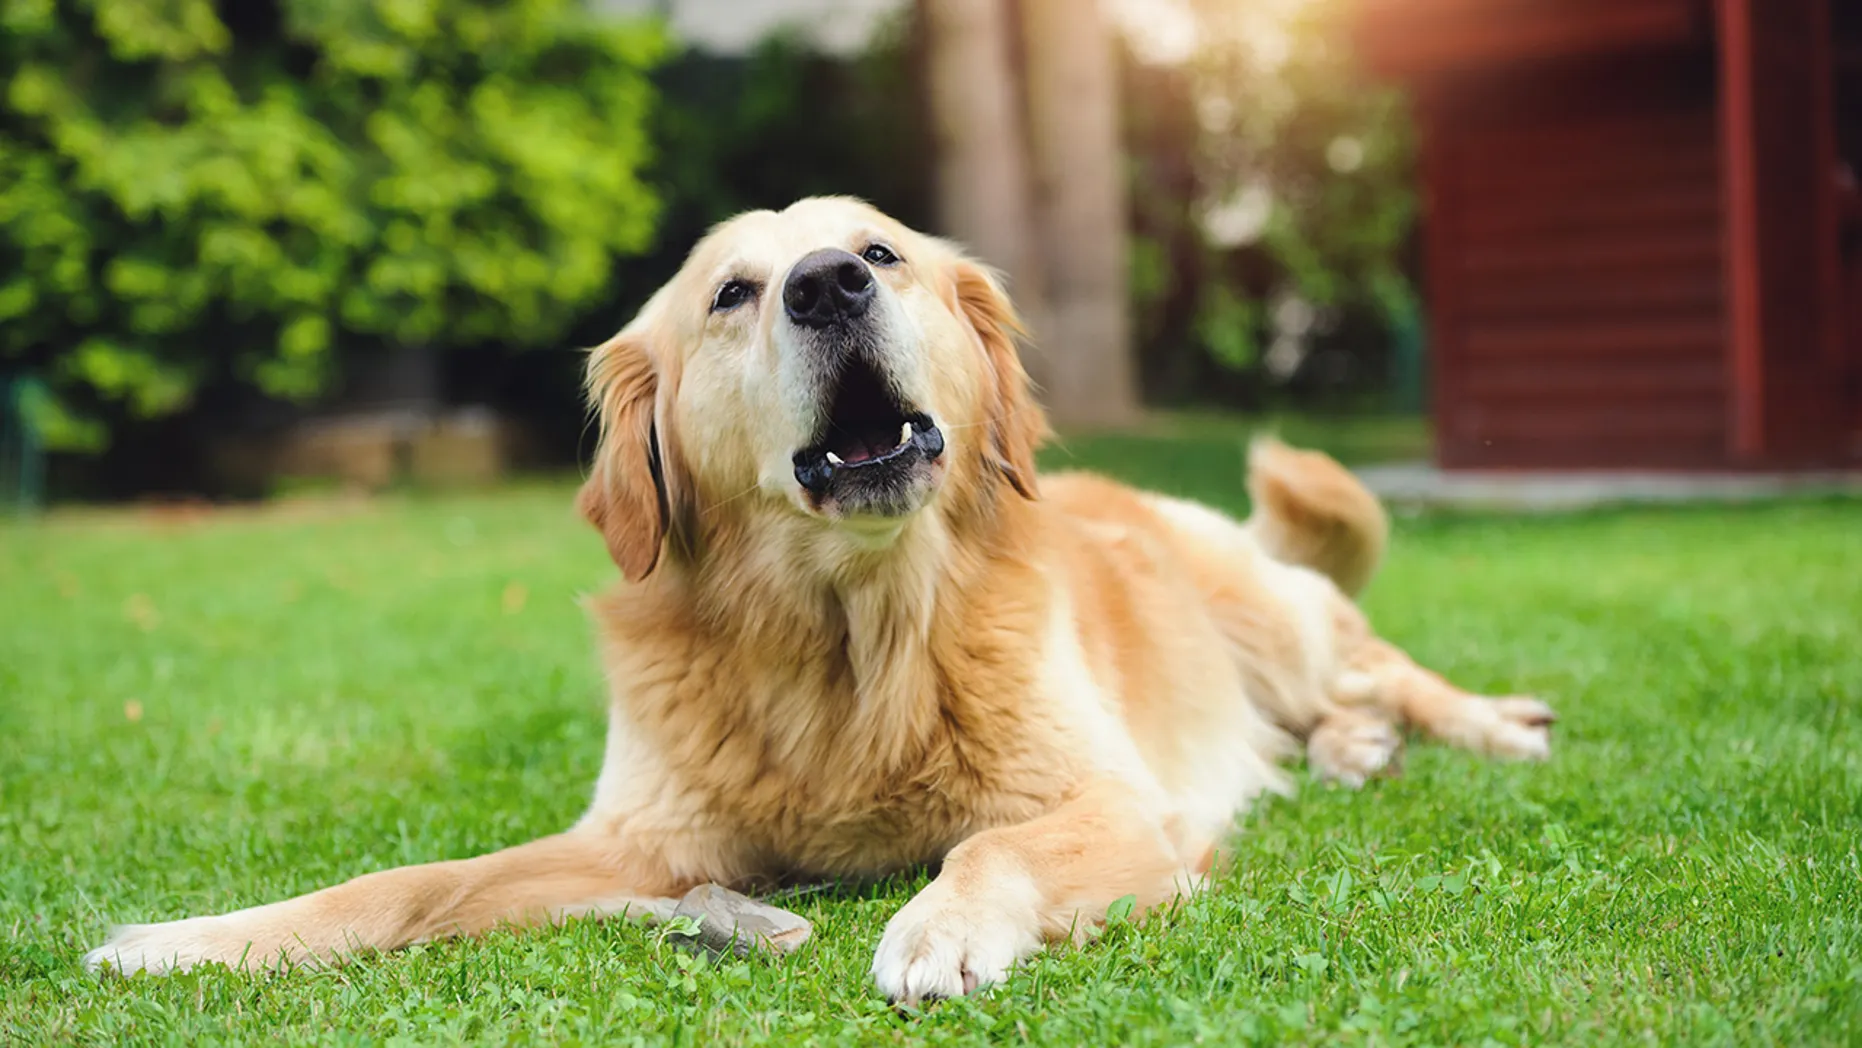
<point>1311,511</point>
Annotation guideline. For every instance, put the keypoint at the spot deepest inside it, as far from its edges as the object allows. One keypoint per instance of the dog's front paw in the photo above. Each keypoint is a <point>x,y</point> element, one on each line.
<point>174,946</point>
<point>946,943</point>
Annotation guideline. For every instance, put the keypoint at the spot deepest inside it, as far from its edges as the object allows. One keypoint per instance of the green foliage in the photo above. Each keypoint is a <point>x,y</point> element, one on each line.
<point>1228,325</point>
<point>1268,129</point>
<point>192,191</point>
<point>787,121</point>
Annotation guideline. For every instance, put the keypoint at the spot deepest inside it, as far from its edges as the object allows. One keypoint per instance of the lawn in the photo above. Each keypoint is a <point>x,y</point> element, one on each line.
<point>201,714</point>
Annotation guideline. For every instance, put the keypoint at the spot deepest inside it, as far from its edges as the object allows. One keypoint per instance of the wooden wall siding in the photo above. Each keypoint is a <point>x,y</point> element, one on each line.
<point>1778,148</point>
<point>1406,37</point>
<point>1846,37</point>
<point>1635,239</point>
<point>1577,269</point>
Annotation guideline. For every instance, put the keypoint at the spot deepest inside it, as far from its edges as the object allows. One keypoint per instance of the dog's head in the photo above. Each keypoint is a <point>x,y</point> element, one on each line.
<point>822,362</point>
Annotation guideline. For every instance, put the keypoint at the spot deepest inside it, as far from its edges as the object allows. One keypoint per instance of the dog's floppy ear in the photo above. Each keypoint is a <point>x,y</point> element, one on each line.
<point>1017,426</point>
<point>625,494</point>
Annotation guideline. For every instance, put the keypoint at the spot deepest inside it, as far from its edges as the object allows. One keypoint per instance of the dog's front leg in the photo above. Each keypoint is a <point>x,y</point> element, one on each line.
<point>579,873</point>
<point>1006,891</point>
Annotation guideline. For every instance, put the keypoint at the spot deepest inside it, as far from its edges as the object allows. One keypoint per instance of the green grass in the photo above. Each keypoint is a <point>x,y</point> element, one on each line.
<point>198,716</point>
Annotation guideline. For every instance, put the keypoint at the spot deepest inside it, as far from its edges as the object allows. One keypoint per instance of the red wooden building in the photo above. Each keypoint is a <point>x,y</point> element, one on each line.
<point>1644,237</point>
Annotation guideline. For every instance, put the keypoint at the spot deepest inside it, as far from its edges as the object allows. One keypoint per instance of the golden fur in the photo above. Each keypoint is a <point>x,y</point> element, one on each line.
<point>1062,689</point>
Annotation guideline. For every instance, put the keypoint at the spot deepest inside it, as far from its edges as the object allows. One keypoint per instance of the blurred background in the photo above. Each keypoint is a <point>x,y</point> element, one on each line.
<point>249,247</point>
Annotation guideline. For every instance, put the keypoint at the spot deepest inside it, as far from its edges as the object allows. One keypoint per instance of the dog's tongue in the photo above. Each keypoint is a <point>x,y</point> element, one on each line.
<point>863,446</point>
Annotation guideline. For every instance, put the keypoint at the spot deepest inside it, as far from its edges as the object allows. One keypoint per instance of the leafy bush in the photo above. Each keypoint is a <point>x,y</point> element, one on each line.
<point>192,192</point>
<point>1273,202</point>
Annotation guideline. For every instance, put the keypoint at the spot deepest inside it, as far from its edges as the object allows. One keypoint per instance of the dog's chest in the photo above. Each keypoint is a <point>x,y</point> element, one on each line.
<point>858,753</point>
<point>914,819</point>
<point>863,788</point>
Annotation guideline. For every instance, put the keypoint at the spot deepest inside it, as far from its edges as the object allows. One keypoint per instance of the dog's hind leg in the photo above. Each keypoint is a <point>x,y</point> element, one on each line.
<point>1509,726</point>
<point>1350,746</point>
<point>1379,675</point>
<point>569,875</point>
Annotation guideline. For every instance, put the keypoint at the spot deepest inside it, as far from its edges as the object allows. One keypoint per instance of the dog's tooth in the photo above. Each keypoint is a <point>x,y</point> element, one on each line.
<point>834,460</point>
<point>905,433</point>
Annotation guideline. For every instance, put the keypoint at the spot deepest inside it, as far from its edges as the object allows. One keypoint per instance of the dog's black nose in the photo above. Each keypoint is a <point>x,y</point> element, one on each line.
<point>827,287</point>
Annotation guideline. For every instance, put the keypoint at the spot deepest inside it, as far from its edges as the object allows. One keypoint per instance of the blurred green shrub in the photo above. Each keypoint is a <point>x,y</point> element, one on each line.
<point>1267,170</point>
<point>191,191</point>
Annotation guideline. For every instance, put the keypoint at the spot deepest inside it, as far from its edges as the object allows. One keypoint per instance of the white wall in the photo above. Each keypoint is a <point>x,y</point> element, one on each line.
<point>736,26</point>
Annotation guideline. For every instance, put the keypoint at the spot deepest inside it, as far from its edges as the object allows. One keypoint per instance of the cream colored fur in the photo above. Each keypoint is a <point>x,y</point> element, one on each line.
<point>1064,690</point>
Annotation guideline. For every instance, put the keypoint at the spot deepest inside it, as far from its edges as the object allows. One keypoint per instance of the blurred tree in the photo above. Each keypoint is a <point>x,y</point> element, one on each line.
<point>192,192</point>
<point>1078,161</point>
<point>1029,176</point>
<point>983,181</point>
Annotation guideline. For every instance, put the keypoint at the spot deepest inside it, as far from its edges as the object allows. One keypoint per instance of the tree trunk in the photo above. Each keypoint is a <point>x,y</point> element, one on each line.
<point>983,182</point>
<point>1080,192</point>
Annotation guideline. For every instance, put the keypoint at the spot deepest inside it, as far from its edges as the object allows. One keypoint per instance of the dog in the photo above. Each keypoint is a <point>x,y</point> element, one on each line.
<point>857,634</point>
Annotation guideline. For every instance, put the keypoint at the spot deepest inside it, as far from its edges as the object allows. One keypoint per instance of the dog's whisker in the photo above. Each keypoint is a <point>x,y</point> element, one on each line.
<point>720,504</point>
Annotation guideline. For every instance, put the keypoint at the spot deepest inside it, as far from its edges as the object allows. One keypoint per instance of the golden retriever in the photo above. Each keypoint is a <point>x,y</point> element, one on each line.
<point>858,634</point>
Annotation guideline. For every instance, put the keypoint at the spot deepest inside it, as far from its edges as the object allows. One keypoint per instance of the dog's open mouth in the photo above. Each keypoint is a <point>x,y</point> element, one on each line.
<point>869,445</point>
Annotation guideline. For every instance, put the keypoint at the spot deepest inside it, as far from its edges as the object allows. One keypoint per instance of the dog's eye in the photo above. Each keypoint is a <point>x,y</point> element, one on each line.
<point>731,294</point>
<point>880,255</point>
